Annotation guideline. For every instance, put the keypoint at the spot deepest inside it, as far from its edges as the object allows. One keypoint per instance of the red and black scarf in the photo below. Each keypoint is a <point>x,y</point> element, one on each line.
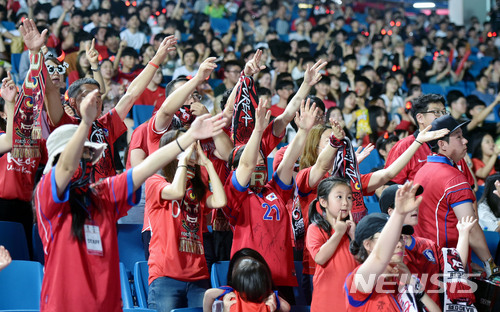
<point>245,104</point>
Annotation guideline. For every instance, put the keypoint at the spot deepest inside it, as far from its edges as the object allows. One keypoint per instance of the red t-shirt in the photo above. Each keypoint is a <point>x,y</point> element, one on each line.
<point>107,129</point>
<point>149,97</point>
<point>127,78</point>
<point>445,187</point>
<point>103,51</point>
<point>176,246</point>
<point>355,300</point>
<point>478,164</point>
<point>417,161</point>
<point>276,111</point>
<point>262,222</point>
<point>424,258</point>
<point>329,278</point>
<point>73,277</point>
<point>138,141</point>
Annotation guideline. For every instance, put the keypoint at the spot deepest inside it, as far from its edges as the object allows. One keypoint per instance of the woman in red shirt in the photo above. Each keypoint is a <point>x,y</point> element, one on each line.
<point>484,157</point>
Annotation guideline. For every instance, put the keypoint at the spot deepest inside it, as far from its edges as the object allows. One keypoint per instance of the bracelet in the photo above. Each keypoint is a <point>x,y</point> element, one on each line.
<point>94,69</point>
<point>154,65</point>
<point>418,142</point>
<point>182,150</point>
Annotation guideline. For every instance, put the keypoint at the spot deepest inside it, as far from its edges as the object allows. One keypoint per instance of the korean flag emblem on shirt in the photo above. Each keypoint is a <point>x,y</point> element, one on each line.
<point>429,255</point>
<point>271,197</point>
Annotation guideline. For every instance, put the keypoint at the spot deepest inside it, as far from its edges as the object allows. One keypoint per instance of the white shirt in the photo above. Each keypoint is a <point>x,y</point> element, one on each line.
<point>487,220</point>
<point>134,40</point>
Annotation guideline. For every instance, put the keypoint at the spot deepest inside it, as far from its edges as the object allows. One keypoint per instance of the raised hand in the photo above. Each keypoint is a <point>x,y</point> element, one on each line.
<point>88,107</point>
<point>426,135</point>
<point>198,109</point>
<point>362,154</point>
<point>465,224</point>
<point>252,67</point>
<point>262,116</point>
<point>206,68</point>
<point>202,159</point>
<point>337,128</point>
<point>338,225</point>
<point>184,156</point>
<point>166,46</point>
<point>312,74</point>
<point>32,38</point>
<point>9,90</point>
<point>497,188</point>
<point>92,54</point>
<point>406,201</point>
<point>307,117</point>
<point>206,126</point>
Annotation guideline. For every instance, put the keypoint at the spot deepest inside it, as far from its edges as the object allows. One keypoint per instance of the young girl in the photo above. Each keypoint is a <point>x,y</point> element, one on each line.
<point>393,102</point>
<point>328,241</point>
<point>347,104</point>
<point>484,156</point>
<point>175,203</point>
<point>379,246</point>
<point>250,286</point>
<point>379,124</point>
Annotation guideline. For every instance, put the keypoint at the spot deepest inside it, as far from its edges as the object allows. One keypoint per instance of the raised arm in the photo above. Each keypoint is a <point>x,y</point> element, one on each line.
<point>218,198</point>
<point>325,160</point>
<point>93,57</point>
<point>311,77</point>
<point>176,99</point>
<point>381,177</point>
<point>140,83</point>
<point>177,188</point>
<point>203,127</point>
<point>476,120</point>
<point>376,263</point>
<point>305,121</point>
<point>9,92</point>
<point>464,226</point>
<point>248,159</point>
<point>70,158</point>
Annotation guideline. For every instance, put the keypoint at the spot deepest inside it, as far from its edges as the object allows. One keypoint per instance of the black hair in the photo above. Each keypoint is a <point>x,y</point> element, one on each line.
<point>242,253</point>
<point>373,113</point>
<point>421,104</point>
<point>382,142</point>
<point>190,50</point>
<point>453,96</point>
<point>492,200</point>
<point>343,97</point>
<point>473,101</point>
<point>129,51</point>
<point>234,157</point>
<point>170,86</point>
<point>83,36</point>
<point>252,279</point>
<point>324,189</point>
<point>281,84</point>
<point>225,97</point>
<point>475,146</point>
<point>3,123</point>
<point>319,103</point>
<point>358,251</point>
<point>363,79</point>
<point>144,47</point>
<point>325,79</point>
<point>111,32</point>
<point>75,88</point>
<point>232,63</point>
<point>435,148</point>
<point>264,92</point>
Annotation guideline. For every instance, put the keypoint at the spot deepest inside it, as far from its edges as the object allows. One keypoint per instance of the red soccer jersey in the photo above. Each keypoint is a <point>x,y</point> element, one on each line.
<point>478,164</point>
<point>355,300</point>
<point>149,97</point>
<point>328,281</point>
<point>107,129</point>
<point>73,277</point>
<point>425,259</point>
<point>127,78</point>
<point>417,161</point>
<point>444,188</point>
<point>262,222</point>
<point>176,247</point>
<point>276,111</point>
<point>138,141</point>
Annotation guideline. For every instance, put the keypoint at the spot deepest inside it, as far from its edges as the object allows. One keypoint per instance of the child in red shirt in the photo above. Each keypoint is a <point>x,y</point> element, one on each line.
<point>328,239</point>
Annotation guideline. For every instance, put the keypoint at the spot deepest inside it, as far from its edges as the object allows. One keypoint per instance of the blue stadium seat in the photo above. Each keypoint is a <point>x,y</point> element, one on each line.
<point>141,275</point>
<point>372,161</point>
<point>127,300</point>
<point>138,310</point>
<point>432,88</point>
<point>141,114</point>
<point>220,25</point>
<point>187,310</point>
<point>15,60</point>
<point>298,292</point>
<point>13,237</point>
<point>9,25</point>
<point>492,239</point>
<point>37,247</point>
<point>130,245</point>
<point>218,276</point>
<point>21,285</point>
<point>372,207</point>
<point>300,308</point>
<point>214,82</point>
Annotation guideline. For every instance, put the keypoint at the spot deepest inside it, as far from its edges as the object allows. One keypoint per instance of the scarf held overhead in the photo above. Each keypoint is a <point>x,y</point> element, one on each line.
<point>245,104</point>
<point>27,116</point>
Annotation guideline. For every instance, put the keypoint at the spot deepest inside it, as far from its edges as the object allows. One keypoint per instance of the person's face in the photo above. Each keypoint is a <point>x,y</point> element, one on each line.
<point>487,145</point>
<point>145,13</point>
<point>150,52</point>
<point>281,66</point>
<point>105,18</point>
<point>113,43</point>
<point>158,77</point>
<point>339,202</point>
<point>216,46</point>
<point>334,70</point>
<point>105,4</point>
<point>57,79</point>
<point>381,121</point>
<point>398,254</point>
<point>456,148</point>
<point>324,139</point>
<point>460,106</point>
<point>161,19</point>
<point>476,110</point>
<point>83,61</point>
<point>351,64</point>
<point>392,86</point>
<point>361,88</point>
<point>100,34</point>
<point>350,102</point>
<point>265,81</point>
<point>322,89</point>
<point>425,119</point>
<point>189,59</point>
<point>133,22</point>
<point>77,21</point>
<point>417,63</point>
<point>285,92</point>
<point>483,82</point>
<point>107,70</point>
<point>233,74</point>
<point>84,90</point>
<point>334,83</point>
<point>128,61</point>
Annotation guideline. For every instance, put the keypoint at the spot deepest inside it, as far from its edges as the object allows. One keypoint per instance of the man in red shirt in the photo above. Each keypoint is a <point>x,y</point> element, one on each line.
<point>425,109</point>
<point>448,196</point>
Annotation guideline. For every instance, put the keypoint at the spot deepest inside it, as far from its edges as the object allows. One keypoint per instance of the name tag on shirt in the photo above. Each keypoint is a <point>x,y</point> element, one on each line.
<point>93,240</point>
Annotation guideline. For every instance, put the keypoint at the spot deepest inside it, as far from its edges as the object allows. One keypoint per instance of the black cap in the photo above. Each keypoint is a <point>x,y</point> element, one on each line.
<point>374,223</point>
<point>389,195</point>
<point>445,122</point>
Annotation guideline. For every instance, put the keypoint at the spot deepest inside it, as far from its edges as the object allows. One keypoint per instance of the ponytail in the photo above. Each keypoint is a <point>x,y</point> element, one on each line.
<point>317,218</point>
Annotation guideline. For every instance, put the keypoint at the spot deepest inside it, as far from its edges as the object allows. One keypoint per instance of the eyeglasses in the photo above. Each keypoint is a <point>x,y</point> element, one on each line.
<point>61,69</point>
<point>196,96</point>
<point>437,113</point>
